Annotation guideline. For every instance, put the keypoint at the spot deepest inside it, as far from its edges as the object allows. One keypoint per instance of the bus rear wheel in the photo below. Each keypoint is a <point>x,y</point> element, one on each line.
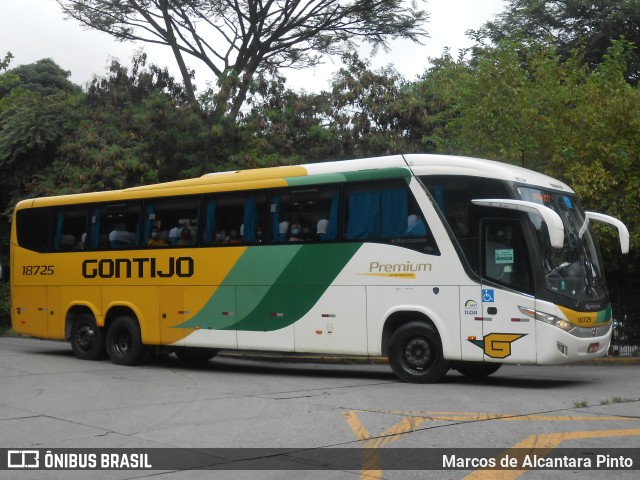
<point>87,339</point>
<point>477,370</point>
<point>124,342</point>
<point>415,354</point>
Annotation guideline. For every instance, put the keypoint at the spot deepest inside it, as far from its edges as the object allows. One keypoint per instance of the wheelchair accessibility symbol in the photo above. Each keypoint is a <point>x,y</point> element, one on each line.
<point>487,296</point>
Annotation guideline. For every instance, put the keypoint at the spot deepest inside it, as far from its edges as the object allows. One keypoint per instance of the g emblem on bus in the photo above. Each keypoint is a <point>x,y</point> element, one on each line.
<point>497,345</point>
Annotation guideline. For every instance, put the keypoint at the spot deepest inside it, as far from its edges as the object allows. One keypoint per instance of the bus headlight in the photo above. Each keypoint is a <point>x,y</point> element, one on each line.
<point>561,323</point>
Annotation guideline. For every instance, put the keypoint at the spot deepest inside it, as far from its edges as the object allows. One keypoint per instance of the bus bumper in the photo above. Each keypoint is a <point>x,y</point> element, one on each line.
<point>555,346</point>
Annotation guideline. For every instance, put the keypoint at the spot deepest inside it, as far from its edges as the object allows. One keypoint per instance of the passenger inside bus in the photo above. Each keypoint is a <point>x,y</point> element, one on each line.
<point>321,228</point>
<point>186,239</point>
<point>155,240</point>
<point>295,232</point>
<point>120,237</point>
<point>415,226</point>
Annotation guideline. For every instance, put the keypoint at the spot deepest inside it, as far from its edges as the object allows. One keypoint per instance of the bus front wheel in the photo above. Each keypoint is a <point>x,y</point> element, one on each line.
<point>415,354</point>
<point>87,339</point>
<point>124,342</point>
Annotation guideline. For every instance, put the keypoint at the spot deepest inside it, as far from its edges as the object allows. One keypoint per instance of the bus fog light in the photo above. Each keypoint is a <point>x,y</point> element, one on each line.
<point>563,349</point>
<point>593,348</point>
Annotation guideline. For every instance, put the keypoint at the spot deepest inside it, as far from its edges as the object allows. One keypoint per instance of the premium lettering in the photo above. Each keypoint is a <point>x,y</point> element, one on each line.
<point>138,268</point>
<point>398,267</point>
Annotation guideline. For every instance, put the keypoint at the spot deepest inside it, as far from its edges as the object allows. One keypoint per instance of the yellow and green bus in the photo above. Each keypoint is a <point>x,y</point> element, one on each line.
<point>435,262</point>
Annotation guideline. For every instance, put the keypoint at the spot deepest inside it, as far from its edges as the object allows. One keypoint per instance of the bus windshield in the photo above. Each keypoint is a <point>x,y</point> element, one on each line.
<point>575,271</point>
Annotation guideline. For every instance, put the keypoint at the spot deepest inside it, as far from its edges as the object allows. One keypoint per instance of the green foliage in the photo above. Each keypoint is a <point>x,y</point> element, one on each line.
<point>31,129</point>
<point>8,80</point>
<point>5,307</point>
<point>43,77</point>
<point>569,25</point>
<point>528,105</point>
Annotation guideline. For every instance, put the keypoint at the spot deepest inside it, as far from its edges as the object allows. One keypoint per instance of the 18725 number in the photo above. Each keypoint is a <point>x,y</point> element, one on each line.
<point>37,270</point>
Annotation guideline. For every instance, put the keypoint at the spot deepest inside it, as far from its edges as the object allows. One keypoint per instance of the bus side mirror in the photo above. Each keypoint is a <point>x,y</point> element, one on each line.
<point>551,218</point>
<point>623,232</point>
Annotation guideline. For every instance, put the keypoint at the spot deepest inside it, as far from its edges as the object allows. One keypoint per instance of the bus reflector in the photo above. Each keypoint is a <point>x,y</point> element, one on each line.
<point>319,332</point>
<point>471,338</point>
<point>594,347</point>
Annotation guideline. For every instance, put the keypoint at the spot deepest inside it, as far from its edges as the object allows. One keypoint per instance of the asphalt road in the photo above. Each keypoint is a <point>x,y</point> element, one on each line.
<point>50,401</point>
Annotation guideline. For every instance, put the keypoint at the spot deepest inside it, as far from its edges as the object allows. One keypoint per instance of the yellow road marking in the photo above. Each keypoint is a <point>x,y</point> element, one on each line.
<point>510,417</point>
<point>544,443</point>
<point>372,467</point>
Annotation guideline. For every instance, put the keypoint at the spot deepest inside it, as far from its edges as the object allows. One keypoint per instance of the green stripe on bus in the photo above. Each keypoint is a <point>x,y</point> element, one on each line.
<point>274,286</point>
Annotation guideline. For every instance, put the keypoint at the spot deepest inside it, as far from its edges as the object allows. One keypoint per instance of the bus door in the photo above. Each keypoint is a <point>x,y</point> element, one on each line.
<point>508,335</point>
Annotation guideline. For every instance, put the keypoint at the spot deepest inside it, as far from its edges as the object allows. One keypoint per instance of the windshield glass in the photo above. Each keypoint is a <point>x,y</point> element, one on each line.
<point>575,270</point>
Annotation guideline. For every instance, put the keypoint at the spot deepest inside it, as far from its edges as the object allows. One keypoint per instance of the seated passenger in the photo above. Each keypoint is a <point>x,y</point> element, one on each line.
<point>67,242</point>
<point>415,226</point>
<point>120,237</point>
<point>234,238</point>
<point>174,235</point>
<point>295,233</point>
<point>185,238</point>
<point>321,228</point>
<point>283,229</point>
<point>221,236</point>
<point>155,240</point>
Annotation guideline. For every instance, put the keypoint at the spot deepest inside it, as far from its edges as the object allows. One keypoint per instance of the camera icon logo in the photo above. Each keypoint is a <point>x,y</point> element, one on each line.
<point>23,459</point>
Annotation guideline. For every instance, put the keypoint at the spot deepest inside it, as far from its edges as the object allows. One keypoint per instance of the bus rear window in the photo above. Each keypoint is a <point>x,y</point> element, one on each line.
<point>33,227</point>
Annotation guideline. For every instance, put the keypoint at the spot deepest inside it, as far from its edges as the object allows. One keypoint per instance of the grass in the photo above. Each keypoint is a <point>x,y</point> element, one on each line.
<point>7,331</point>
<point>617,400</point>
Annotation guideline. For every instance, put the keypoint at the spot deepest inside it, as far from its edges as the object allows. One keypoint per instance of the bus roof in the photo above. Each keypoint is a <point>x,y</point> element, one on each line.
<point>325,172</point>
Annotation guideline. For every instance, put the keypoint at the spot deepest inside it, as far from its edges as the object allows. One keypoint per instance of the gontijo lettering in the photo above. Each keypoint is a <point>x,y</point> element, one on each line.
<point>138,268</point>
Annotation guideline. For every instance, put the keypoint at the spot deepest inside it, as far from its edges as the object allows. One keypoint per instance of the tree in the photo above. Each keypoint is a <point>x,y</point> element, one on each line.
<point>238,39</point>
<point>44,77</point>
<point>529,105</point>
<point>37,102</point>
<point>568,25</point>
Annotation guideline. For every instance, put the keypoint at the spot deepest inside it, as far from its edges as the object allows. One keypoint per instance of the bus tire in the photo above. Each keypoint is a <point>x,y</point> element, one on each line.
<point>477,370</point>
<point>415,354</point>
<point>124,342</point>
<point>195,355</point>
<point>87,339</point>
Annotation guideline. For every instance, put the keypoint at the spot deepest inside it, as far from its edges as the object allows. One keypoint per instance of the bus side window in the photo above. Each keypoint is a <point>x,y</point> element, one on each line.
<point>119,225</point>
<point>173,222</point>
<point>305,214</point>
<point>235,219</point>
<point>70,229</point>
<point>376,211</point>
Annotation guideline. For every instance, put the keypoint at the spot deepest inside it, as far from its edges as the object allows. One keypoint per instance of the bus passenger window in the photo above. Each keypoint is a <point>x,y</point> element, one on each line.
<point>234,219</point>
<point>70,229</point>
<point>175,219</point>
<point>308,214</point>
<point>387,212</point>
